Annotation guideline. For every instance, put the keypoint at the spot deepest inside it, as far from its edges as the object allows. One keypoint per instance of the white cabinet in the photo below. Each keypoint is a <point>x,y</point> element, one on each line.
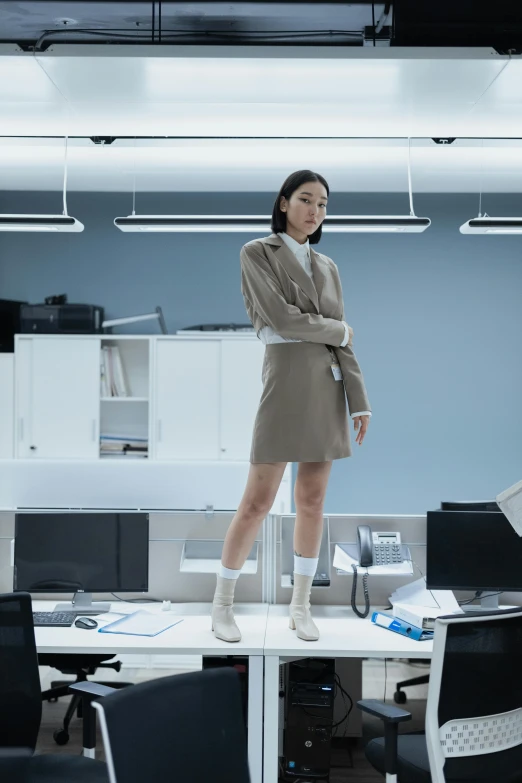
<point>186,399</point>
<point>240,392</point>
<point>6,405</point>
<point>57,397</point>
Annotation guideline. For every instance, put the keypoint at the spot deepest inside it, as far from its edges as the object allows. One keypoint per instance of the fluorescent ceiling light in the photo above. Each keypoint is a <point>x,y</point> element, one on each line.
<point>489,225</point>
<point>60,223</point>
<point>209,223</point>
<point>63,223</point>
<point>375,223</point>
<point>256,223</point>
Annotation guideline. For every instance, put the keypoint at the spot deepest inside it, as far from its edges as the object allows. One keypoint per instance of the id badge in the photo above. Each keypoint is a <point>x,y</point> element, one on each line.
<point>336,372</point>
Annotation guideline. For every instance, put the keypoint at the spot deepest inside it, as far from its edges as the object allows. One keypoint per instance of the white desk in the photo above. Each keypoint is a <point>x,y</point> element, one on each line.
<point>343,635</point>
<point>191,637</point>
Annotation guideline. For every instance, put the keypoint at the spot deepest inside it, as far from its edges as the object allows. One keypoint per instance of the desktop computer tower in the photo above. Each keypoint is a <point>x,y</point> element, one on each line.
<point>309,710</point>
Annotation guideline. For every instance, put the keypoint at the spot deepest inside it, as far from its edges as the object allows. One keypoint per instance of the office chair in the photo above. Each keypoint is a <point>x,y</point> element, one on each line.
<point>81,666</point>
<point>399,697</point>
<point>474,708</point>
<point>21,706</point>
<point>188,727</point>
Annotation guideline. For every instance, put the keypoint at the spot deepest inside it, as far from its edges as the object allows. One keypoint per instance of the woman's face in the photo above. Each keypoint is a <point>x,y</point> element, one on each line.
<point>306,209</point>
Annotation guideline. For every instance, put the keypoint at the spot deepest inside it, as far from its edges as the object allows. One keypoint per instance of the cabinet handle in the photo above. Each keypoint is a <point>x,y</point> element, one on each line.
<point>159,430</point>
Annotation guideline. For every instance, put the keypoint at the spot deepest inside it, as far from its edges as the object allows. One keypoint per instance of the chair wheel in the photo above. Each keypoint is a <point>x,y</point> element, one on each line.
<point>52,700</point>
<point>399,697</point>
<point>61,736</point>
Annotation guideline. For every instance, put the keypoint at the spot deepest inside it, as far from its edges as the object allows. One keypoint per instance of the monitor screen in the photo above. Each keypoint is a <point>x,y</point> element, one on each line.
<point>472,550</point>
<point>91,552</point>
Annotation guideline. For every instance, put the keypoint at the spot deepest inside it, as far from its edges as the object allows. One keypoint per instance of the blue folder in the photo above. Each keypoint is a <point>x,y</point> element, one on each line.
<point>399,626</point>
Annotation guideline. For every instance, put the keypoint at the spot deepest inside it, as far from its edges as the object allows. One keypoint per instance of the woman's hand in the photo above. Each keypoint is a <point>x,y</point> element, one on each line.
<point>363,422</point>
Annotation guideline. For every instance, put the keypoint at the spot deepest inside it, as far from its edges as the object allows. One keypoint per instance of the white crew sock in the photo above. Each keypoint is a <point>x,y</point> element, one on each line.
<point>307,566</point>
<point>228,573</point>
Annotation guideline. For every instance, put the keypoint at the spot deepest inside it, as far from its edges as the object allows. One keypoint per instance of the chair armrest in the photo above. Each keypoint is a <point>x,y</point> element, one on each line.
<point>391,716</point>
<point>92,689</point>
<point>387,712</point>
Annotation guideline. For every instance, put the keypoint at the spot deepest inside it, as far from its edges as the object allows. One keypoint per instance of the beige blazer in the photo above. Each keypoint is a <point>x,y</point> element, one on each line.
<point>279,293</point>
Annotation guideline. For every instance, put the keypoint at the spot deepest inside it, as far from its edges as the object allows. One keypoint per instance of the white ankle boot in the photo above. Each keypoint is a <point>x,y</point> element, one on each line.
<point>223,623</point>
<point>300,617</point>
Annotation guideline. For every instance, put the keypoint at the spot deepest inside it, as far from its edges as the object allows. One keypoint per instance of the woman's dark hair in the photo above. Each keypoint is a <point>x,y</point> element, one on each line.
<point>289,186</point>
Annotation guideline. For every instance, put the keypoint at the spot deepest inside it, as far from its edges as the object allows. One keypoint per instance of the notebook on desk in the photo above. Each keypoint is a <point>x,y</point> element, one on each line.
<point>141,623</point>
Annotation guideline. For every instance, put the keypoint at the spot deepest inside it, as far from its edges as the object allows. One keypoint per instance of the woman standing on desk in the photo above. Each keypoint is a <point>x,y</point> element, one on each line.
<point>294,300</point>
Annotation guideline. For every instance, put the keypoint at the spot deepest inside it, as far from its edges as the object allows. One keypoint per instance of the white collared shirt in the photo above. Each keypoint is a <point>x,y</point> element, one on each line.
<point>302,252</point>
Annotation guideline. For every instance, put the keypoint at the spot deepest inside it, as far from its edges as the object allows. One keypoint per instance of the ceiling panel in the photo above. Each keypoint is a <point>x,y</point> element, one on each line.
<point>313,75</point>
<point>173,166</point>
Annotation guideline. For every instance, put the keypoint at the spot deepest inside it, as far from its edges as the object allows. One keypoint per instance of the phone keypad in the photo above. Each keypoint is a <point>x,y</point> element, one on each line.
<point>387,553</point>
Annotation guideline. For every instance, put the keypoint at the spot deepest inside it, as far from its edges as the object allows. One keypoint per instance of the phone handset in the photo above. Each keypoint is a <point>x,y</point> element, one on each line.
<point>365,551</point>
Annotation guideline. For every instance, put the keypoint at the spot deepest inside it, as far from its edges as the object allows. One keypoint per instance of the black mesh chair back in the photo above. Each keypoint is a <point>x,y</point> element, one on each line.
<point>20,694</point>
<point>474,710</point>
<point>186,727</point>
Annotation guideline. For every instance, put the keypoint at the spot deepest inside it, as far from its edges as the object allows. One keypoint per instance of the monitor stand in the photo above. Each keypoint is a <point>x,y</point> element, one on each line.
<point>488,603</point>
<point>83,603</point>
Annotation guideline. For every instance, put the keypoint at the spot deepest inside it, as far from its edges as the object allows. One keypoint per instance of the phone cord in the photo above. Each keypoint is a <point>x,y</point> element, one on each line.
<point>365,590</point>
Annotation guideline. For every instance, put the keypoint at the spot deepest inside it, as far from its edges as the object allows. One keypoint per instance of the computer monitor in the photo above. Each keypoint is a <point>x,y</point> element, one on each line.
<point>470,505</point>
<point>473,550</point>
<point>82,553</point>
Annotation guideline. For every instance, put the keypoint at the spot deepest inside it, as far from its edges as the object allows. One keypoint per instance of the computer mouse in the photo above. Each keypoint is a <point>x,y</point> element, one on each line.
<point>86,622</point>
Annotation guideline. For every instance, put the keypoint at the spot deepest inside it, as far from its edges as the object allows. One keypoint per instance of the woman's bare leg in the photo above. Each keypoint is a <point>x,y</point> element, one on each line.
<point>309,495</point>
<point>258,498</point>
<point>263,482</point>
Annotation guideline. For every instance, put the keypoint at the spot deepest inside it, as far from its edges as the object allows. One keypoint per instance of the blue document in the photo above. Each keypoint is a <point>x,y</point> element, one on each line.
<point>399,626</point>
<point>141,623</point>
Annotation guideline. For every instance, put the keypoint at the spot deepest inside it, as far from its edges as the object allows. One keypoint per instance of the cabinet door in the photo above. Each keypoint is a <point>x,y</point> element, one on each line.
<point>186,392</point>
<point>58,397</point>
<point>6,406</point>
<point>241,388</point>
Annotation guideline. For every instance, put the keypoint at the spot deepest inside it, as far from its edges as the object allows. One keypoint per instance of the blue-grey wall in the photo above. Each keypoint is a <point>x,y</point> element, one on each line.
<point>437,320</point>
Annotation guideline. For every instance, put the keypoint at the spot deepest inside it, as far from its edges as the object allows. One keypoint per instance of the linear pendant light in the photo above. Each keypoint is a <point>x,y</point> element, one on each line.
<point>489,225</point>
<point>58,223</point>
<point>256,223</point>
<point>484,224</point>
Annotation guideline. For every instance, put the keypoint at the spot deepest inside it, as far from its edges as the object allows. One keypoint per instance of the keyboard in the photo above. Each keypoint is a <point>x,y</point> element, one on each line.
<point>58,619</point>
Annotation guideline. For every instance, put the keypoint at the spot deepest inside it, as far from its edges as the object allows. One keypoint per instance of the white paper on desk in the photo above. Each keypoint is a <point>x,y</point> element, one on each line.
<point>510,502</point>
<point>417,595</point>
<point>141,623</point>
<point>344,561</point>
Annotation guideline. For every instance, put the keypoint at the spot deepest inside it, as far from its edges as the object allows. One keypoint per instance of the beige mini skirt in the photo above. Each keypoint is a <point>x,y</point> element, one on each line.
<point>302,414</point>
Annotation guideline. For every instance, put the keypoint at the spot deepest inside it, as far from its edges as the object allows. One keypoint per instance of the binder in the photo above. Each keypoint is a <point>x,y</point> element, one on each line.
<point>399,626</point>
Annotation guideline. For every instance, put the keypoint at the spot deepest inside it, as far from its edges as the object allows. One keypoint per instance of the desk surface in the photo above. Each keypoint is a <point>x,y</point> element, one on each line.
<point>191,637</point>
<point>343,635</point>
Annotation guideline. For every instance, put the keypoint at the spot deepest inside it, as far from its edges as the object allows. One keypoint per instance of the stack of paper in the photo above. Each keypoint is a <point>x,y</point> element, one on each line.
<point>123,446</point>
<point>510,502</point>
<point>112,378</point>
<point>414,604</point>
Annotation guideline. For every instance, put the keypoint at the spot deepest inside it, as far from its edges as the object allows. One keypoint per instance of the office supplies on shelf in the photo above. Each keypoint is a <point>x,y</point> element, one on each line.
<point>399,626</point>
<point>113,382</point>
<point>141,623</point>
<point>510,502</point>
<point>132,319</point>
